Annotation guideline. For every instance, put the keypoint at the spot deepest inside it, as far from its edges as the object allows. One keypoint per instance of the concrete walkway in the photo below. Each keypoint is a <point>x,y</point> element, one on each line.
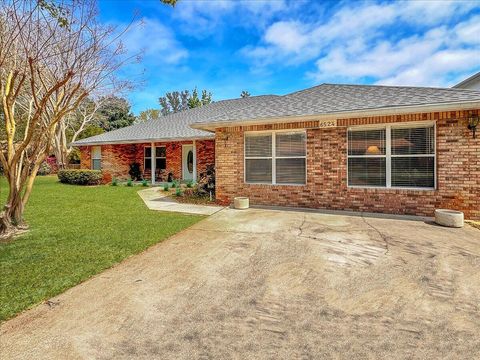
<point>155,199</point>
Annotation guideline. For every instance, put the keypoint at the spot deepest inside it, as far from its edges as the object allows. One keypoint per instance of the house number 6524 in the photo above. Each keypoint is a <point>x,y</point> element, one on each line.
<point>327,123</point>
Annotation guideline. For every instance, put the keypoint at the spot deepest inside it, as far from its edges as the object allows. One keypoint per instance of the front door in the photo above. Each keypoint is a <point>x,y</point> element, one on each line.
<point>187,162</point>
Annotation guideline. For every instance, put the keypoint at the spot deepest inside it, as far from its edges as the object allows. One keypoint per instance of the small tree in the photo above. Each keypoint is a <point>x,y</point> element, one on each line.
<point>174,102</point>
<point>52,58</point>
<point>149,114</point>
<point>177,101</point>
<point>244,94</point>
<point>114,113</point>
<point>73,126</point>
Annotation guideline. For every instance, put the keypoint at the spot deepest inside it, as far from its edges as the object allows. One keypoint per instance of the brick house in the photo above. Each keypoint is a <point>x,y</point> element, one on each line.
<point>402,150</point>
<point>164,146</point>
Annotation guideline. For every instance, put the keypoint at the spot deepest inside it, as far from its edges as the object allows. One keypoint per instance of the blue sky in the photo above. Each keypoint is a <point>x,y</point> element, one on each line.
<point>279,46</point>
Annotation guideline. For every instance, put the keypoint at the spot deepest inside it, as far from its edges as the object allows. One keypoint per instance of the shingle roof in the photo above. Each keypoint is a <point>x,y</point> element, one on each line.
<point>468,81</point>
<point>335,98</point>
<point>173,126</point>
<point>319,100</point>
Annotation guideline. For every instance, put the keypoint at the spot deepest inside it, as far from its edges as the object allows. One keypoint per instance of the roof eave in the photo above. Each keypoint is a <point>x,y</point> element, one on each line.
<point>466,81</point>
<point>141,141</point>
<point>397,110</point>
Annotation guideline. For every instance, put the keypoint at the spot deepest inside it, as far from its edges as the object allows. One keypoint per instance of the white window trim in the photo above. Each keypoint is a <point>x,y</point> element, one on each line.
<point>388,153</point>
<point>273,158</point>
<point>154,148</point>
<point>96,158</point>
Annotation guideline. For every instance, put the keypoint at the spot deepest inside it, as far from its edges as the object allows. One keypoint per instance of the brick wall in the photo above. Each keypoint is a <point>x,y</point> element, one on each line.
<point>85,157</point>
<point>458,170</point>
<point>205,155</point>
<point>116,159</point>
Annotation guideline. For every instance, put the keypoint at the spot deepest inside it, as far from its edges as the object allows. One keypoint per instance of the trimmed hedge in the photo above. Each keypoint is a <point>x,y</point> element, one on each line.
<point>80,177</point>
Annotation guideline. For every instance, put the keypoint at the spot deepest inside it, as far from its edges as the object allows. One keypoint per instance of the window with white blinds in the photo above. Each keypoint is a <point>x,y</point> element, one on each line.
<point>413,157</point>
<point>392,156</point>
<point>96,158</point>
<point>367,157</point>
<point>258,158</point>
<point>275,158</point>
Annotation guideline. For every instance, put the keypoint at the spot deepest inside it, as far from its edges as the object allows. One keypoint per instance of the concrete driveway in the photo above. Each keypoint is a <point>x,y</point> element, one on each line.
<point>272,284</point>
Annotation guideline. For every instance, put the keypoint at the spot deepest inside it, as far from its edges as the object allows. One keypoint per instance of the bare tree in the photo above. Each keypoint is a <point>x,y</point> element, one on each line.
<point>72,126</point>
<point>52,57</point>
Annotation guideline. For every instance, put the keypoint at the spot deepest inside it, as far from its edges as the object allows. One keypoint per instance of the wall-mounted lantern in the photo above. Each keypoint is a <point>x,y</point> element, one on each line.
<point>473,121</point>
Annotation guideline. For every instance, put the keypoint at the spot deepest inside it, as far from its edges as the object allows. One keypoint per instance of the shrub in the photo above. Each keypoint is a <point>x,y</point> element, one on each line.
<point>174,184</point>
<point>144,183</point>
<point>74,156</point>
<point>190,184</point>
<point>165,187</point>
<point>80,177</point>
<point>114,182</point>
<point>206,182</point>
<point>135,172</point>
<point>189,192</point>
<point>52,162</point>
<point>44,169</point>
<point>178,192</point>
<point>129,182</point>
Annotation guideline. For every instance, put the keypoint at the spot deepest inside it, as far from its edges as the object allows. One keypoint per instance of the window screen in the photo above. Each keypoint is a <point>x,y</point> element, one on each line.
<point>290,153</point>
<point>366,142</point>
<point>409,153</point>
<point>258,170</point>
<point>275,158</point>
<point>96,158</point>
<point>258,158</point>
<point>367,171</point>
<point>258,146</point>
<point>367,157</point>
<point>413,157</point>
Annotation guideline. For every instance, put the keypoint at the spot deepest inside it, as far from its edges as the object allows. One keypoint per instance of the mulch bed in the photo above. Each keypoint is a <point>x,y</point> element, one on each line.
<point>197,200</point>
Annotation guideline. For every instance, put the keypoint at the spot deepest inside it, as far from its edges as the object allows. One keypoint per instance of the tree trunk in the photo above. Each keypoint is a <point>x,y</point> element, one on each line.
<point>60,147</point>
<point>11,218</point>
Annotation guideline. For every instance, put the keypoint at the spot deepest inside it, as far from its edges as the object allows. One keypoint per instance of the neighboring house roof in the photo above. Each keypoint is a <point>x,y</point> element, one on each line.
<point>335,99</point>
<point>173,126</point>
<point>472,83</point>
<point>332,100</point>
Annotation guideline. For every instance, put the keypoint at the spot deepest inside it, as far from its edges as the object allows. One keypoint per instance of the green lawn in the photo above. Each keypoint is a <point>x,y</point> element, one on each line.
<point>76,232</point>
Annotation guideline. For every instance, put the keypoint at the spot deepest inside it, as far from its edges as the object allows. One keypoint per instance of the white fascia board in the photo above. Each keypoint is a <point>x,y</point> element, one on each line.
<point>141,141</point>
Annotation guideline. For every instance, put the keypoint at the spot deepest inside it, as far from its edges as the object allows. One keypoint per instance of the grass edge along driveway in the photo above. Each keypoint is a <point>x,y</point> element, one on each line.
<point>75,233</point>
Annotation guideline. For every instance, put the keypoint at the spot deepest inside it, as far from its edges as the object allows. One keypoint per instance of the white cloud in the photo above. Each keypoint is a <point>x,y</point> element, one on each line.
<point>430,12</point>
<point>432,70</point>
<point>469,31</point>
<point>201,18</point>
<point>365,41</point>
<point>287,36</point>
<point>155,41</point>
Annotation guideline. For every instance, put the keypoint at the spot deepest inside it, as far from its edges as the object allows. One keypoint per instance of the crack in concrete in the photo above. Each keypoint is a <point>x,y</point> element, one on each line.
<point>300,228</point>
<point>384,237</point>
